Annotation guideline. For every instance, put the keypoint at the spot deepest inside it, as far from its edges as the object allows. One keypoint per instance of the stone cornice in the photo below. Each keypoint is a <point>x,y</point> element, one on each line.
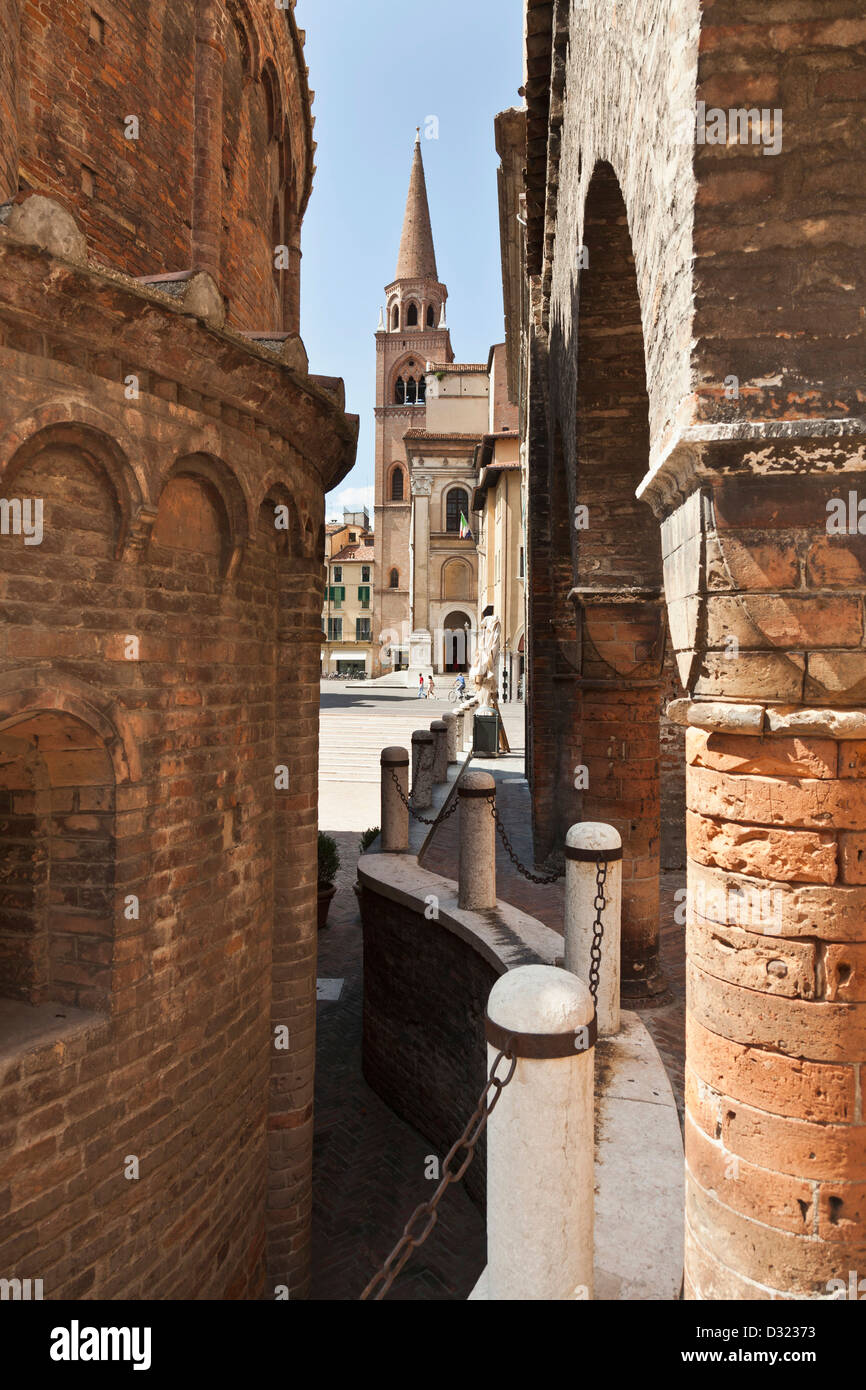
<point>708,451</point>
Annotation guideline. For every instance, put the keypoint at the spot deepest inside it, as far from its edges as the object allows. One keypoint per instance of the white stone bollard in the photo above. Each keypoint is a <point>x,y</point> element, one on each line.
<point>395,815</point>
<point>422,769</point>
<point>541,1140</point>
<point>460,731</point>
<point>450,722</point>
<point>439,730</point>
<point>592,841</point>
<point>477,867</point>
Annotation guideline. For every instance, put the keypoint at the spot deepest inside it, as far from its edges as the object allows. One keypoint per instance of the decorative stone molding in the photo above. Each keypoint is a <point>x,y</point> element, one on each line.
<point>758,720</point>
<point>422,485</point>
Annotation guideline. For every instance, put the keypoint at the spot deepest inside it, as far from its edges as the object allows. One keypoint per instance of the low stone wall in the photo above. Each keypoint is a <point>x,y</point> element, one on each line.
<point>426,984</point>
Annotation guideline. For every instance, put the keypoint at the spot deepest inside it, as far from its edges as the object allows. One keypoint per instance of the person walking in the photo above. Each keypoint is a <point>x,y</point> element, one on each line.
<point>421,692</point>
<point>431,689</point>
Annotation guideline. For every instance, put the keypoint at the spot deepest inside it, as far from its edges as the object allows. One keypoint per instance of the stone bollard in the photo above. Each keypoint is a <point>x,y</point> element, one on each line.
<point>439,730</point>
<point>450,722</point>
<point>585,845</point>
<point>540,1139</point>
<point>477,868</point>
<point>422,769</point>
<point>460,730</point>
<point>395,815</point>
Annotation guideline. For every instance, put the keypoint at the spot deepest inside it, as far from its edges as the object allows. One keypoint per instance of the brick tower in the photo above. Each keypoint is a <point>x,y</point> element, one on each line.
<point>412,332</point>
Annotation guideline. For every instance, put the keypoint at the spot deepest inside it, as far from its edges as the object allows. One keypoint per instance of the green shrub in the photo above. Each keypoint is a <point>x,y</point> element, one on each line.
<point>329,859</point>
<point>367,839</point>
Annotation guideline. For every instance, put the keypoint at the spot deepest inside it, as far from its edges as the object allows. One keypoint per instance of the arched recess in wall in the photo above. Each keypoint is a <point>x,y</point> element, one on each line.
<point>395,317</point>
<point>202,513</point>
<point>456,580</point>
<point>431,316</point>
<point>412,315</point>
<point>394,579</point>
<point>282,516</point>
<point>76,485</point>
<point>617,567</point>
<point>258,261</point>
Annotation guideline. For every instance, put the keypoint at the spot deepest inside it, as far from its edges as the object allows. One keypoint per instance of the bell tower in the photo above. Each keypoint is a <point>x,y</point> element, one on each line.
<point>412,331</point>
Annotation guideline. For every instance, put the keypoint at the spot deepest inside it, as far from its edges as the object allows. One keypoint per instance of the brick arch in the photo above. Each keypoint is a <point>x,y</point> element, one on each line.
<point>395,468</point>
<point>25,692</point>
<point>241,17</point>
<point>112,449</point>
<point>223,511</point>
<point>278,494</point>
<point>456,575</point>
<point>403,369</point>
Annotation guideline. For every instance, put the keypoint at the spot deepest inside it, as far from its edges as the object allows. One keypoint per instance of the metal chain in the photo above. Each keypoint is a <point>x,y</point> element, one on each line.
<point>509,849</point>
<point>597,929</point>
<point>428,1211</point>
<point>425,820</point>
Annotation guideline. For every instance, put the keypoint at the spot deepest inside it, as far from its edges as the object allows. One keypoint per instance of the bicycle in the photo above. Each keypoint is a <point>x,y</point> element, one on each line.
<point>456,694</point>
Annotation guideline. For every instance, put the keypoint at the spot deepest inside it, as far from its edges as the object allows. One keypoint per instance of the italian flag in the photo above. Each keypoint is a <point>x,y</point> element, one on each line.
<point>465,533</point>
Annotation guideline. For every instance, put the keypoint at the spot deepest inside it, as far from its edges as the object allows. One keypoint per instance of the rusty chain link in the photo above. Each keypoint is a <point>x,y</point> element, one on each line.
<point>509,849</point>
<point>597,929</point>
<point>428,1211</point>
<point>425,820</point>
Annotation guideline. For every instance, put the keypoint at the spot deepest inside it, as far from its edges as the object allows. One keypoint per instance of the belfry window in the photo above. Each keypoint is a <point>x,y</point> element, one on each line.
<point>422,390</point>
<point>431,316</point>
<point>395,317</point>
<point>412,316</point>
<point>400,391</point>
<point>411,391</point>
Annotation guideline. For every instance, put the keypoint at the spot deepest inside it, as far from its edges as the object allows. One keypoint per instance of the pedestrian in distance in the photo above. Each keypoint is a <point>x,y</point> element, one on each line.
<point>431,689</point>
<point>421,692</point>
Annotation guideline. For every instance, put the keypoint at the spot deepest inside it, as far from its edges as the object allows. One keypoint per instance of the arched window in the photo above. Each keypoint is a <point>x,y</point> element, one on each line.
<point>431,316</point>
<point>395,576</point>
<point>397,486</point>
<point>276,240</point>
<point>422,390</point>
<point>412,316</point>
<point>458,502</point>
<point>400,391</point>
<point>411,391</point>
<point>395,317</point>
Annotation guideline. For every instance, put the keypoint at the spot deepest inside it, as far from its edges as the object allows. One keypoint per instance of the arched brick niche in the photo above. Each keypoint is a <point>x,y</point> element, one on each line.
<point>57,855</point>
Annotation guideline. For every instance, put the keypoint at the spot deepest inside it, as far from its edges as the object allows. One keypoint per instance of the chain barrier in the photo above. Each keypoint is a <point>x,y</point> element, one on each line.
<point>509,849</point>
<point>428,1211</point>
<point>597,929</point>
<point>424,820</point>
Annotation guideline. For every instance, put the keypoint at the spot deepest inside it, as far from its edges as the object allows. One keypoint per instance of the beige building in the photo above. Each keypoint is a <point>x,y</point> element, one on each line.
<point>347,616</point>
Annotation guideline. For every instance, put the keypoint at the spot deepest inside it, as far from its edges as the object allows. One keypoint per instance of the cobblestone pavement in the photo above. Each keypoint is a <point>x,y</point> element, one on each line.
<point>368,1164</point>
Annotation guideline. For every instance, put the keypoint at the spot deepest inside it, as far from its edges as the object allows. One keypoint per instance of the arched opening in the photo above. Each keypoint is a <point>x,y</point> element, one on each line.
<point>456,509</point>
<point>456,642</point>
<point>431,316</point>
<point>394,582</point>
<point>422,390</point>
<point>617,574</point>
<point>397,484</point>
<point>411,391</point>
<point>400,391</point>
<point>395,318</point>
<point>412,316</point>
<point>57,856</point>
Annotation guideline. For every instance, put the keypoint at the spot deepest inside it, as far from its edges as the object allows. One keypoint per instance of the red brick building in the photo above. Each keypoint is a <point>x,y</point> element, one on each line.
<point>686,337</point>
<point>164,457</point>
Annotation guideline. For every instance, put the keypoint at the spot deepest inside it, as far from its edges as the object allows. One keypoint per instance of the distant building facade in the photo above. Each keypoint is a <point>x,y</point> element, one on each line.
<point>347,616</point>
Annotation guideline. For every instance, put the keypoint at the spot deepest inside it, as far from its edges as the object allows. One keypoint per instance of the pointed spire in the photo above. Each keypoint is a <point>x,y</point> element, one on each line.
<point>417,259</point>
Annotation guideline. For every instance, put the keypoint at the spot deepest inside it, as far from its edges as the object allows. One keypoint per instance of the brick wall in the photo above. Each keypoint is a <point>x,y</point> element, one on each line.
<point>425,1000</point>
<point>149,772</point>
<point>220,95</point>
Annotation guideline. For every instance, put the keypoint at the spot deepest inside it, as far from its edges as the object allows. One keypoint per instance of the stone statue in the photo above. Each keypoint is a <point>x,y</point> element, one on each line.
<point>486,663</point>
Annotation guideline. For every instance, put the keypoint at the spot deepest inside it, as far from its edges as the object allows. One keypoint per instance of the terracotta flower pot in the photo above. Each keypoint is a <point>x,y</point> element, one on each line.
<point>327,892</point>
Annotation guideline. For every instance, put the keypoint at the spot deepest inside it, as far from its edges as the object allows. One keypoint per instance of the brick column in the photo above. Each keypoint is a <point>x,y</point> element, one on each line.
<point>766,604</point>
<point>208,136</point>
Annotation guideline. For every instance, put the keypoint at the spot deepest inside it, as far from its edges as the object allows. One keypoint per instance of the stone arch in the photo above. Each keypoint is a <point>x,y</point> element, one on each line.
<point>456,580</point>
<point>457,628</point>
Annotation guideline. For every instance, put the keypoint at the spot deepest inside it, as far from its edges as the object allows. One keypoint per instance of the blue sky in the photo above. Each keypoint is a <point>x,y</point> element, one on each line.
<point>380,68</point>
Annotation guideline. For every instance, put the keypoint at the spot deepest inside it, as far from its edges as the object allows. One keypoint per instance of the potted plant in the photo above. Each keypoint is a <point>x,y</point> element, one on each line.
<point>329,865</point>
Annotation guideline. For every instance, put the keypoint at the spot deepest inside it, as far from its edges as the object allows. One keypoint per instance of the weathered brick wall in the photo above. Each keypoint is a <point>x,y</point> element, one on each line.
<point>159,524</point>
<point>220,171</point>
<point>425,1000</point>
